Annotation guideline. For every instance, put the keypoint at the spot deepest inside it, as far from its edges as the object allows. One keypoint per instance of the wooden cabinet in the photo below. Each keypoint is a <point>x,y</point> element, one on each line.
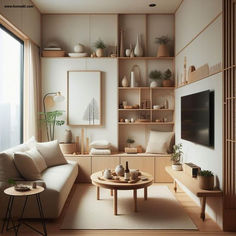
<point>145,164</point>
<point>161,176</point>
<point>103,162</point>
<point>84,163</point>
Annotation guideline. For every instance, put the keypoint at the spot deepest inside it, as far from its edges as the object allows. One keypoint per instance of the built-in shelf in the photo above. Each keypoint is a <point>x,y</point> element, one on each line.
<point>146,109</point>
<point>136,88</point>
<point>146,58</point>
<point>147,123</point>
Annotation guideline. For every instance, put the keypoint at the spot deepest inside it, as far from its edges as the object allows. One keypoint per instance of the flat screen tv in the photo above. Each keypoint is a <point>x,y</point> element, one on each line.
<point>197,118</point>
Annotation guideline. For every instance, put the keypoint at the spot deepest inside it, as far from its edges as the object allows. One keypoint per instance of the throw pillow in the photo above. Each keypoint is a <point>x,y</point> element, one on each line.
<point>51,153</point>
<point>100,144</point>
<point>26,166</point>
<point>159,142</point>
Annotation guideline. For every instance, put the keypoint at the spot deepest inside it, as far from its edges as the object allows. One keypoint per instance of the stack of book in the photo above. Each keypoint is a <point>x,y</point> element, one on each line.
<point>53,52</point>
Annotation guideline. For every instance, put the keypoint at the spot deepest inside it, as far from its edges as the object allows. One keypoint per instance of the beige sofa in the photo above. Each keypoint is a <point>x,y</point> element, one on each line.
<point>57,180</point>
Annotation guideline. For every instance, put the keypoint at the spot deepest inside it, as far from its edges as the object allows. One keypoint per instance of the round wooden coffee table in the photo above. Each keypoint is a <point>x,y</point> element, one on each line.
<point>115,186</point>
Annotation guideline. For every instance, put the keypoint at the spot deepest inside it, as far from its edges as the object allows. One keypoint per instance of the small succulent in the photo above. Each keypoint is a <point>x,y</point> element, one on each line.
<point>99,44</point>
<point>130,140</point>
<point>162,40</point>
<point>155,75</point>
<point>167,74</point>
<point>206,173</point>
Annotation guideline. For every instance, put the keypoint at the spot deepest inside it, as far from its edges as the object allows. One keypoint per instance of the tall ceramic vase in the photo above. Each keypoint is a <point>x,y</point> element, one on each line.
<point>138,51</point>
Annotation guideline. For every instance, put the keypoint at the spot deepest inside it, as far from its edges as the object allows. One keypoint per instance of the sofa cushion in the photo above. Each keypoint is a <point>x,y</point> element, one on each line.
<point>159,142</point>
<point>51,153</point>
<point>30,164</point>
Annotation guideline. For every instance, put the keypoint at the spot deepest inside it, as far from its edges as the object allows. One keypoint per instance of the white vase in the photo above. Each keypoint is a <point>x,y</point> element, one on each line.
<point>78,48</point>
<point>138,51</point>
<point>125,82</point>
<point>153,84</point>
<point>127,52</point>
<point>132,79</point>
<point>99,52</point>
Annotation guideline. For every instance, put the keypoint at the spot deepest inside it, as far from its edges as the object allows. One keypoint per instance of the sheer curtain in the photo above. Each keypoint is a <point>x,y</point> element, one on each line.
<point>32,91</point>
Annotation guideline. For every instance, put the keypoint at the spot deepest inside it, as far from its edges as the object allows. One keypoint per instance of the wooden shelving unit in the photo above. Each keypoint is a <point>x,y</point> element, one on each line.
<point>147,123</point>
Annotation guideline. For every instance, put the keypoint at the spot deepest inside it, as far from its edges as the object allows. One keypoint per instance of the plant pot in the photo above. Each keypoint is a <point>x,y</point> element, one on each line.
<point>99,52</point>
<point>167,83</point>
<point>206,182</point>
<point>163,51</point>
<point>177,167</point>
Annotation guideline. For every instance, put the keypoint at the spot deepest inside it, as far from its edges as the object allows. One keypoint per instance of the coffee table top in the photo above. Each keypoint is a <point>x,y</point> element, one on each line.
<point>12,192</point>
<point>122,186</point>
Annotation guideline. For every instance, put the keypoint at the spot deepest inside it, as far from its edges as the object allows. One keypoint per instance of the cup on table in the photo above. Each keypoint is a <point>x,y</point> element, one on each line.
<point>133,174</point>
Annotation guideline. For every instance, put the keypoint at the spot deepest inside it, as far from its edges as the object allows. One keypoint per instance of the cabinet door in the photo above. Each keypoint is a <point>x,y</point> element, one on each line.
<point>161,176</point>
<point>84,163</point>
<point>145,164</point>
<point>104,162</point>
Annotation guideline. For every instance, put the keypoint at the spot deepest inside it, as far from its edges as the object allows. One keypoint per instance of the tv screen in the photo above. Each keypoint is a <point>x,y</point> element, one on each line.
<point>197,118</point>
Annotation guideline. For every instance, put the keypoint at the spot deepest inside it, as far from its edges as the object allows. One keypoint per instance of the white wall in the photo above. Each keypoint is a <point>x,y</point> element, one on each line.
<point>54,78</point>
<point>191,18</point>
<point>27,20</point>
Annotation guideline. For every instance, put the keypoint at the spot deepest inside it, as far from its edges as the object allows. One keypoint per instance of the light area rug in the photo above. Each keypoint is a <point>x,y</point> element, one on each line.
<point>160,211</point>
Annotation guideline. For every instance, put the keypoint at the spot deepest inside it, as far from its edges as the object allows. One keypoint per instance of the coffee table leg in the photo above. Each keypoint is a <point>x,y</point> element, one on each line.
<point>145,193</point>
<point>98,193</point>
<point>135,200</point>
<point>115,201</point>
<point>111,192</point>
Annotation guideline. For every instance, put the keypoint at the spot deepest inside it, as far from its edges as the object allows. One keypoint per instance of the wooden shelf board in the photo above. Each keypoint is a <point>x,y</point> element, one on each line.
<point>145,109</point>
<point>147,123</point>
<point>120,154</point>
<point>155,88</point>
<point>192,184</point>
<point>146,58</point>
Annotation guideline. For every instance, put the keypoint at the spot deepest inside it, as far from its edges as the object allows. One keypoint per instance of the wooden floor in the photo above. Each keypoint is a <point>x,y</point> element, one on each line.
<point>208,227</point>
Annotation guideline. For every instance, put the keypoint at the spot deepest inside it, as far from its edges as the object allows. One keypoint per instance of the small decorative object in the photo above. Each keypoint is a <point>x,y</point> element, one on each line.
<point>166,104</point>
<point>34,185</point>
<point>176,157</point>
<point>67,136</point>
<point>139,149</point>
<point>138,51</point>
<point>132,120</point>
<point>134,174</point>
<point>120,170</point>
<point>126,120</point>
<point>100,46</point>
<point>82,141</point>
<point>185,69</point>
<point>130,141</point>
<point>191,69</point>
<point>136,106</point>
<point>77,144</point>
<point>131,150</point>
<point>87,145</point>
<point>156,107</point>
<point>127,52</point>
<point>113,55</point>
<point>128,107</point>
<point>125,103</point>
<point>167,82</point>
<point>79,48</point>
<point>125,82</point>
<point>156,78</point>
<point>132,79</point>
<point>122,120</point>
<point>158,120</point>
<point>165,119</point>
<point>22,188</point>
<point>107,174</point>
<point>163,49</point>
<point>121,43</point>
<point>206,180</point>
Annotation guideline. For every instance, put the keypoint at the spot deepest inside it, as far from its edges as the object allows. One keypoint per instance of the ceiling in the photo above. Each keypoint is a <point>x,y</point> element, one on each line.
<point>106,6</point>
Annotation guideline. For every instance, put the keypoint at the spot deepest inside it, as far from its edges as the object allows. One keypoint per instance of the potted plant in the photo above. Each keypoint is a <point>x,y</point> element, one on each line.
<point>163,50</point>
<point>176,157</point>
<point>167,82</point>
<point>130,141</point>
<point>156,78</point>
<point>206,180</point>
<point>50,119</point>
<point>100,46</point>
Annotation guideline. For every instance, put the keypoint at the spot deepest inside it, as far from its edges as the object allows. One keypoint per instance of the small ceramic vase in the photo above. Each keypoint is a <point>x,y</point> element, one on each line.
<point>107,174</point>
<point>99,52</point>
<point>78,48</point>
<point>128,52</point>
<point>153,84</point>
<point>163,51</point>
<point>125,82</point>
<point>138,51</point>
<point>67,136</point>
<point>120,170</point>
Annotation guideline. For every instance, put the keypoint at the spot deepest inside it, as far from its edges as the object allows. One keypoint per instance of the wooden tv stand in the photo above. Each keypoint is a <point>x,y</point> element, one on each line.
<point>192,185</point>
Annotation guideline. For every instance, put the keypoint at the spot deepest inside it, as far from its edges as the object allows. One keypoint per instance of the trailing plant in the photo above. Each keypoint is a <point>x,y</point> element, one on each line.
<point>155,75</point>
<point>162,40</point>
<point>130,141</point>
<point>176,156</point>
<point>206,173</point>
<point>167,74</point>
<point>50,120</point>
<point>99,44</point>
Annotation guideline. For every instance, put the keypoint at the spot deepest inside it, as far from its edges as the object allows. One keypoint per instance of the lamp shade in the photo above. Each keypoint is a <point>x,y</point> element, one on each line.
<point>58,97</point>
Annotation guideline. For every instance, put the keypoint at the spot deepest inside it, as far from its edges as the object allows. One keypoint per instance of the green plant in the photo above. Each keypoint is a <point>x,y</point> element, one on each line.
<point>49,119</point>
<point>155,75</point>
<point>130,141</point>
<point>99,44</point>
<point>177,154</point>
<point>11,182</point>
<point>162,40</point>
<point>206,173</point>
<point>167,74</point>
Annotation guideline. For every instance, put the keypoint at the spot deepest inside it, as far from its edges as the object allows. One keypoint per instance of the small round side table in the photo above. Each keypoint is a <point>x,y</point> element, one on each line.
<point>12,193</point>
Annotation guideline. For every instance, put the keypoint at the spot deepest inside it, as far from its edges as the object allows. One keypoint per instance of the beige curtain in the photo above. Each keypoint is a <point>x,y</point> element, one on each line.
<point>32,90</point>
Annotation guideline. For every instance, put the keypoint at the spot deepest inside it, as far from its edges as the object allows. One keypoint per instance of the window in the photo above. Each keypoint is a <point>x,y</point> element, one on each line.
<point>11,89</point>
